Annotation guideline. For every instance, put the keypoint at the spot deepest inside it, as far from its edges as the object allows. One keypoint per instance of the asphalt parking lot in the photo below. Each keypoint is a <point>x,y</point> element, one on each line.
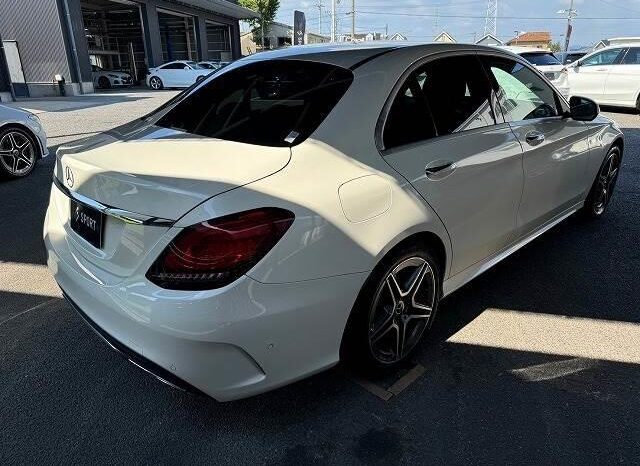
<point>535,362</point>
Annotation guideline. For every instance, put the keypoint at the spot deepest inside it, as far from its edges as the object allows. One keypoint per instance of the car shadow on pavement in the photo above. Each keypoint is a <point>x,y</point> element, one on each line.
<point>67,398</point>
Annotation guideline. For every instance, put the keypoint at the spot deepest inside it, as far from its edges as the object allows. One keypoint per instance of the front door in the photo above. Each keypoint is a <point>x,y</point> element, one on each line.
<point>555,146</point>
<point>588,79</point>
<point>441,135</point>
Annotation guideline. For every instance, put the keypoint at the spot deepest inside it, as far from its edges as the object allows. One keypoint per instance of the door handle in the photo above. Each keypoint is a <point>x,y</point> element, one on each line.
<point>440,168</point>
<point>534,138</point>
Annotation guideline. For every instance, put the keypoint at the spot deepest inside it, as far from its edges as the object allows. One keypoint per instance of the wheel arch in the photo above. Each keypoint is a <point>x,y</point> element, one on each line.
<point>22,127</point>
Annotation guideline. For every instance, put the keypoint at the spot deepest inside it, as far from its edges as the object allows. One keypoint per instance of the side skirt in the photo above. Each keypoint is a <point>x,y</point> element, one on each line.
<point>453,283</point>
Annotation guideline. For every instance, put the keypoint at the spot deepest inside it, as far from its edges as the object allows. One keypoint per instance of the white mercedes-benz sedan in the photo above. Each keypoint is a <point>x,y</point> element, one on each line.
<point>313,204</point>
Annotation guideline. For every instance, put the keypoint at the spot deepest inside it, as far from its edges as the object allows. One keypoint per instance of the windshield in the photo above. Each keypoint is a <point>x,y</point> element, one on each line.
<point>541,59</point>
<point>272,103</point>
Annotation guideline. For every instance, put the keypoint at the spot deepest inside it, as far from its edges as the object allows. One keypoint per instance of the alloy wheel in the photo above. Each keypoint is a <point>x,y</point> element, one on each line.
<point>606,182</point>
<point>17,153</point>
<point>402,310</point>
<point>155,83</point>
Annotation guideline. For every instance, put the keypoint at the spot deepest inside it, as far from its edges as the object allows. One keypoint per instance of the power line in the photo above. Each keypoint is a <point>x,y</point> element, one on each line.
<point>532,18</point>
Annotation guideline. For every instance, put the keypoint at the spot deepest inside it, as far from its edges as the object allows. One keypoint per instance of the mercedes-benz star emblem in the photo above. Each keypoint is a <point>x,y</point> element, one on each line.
<point>68,176</point>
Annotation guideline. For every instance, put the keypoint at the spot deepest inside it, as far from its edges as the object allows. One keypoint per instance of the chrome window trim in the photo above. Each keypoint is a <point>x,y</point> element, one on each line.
<point>126,216</point>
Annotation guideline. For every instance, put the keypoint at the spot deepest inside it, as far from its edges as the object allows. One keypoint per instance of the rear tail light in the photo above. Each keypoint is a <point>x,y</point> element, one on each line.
<point>215,253</point>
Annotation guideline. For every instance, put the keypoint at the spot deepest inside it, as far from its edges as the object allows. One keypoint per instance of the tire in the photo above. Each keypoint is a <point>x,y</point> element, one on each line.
<point>104,83</point>
<point>638,104</point>
<point>155,83</point>
<point>19,152</point>
<point>603,186</point>
<point>199,79</point>
<point>376,336</point>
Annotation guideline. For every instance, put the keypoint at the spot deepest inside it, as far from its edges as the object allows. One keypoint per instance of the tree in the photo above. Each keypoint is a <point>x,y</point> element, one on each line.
<point>555,46</point>
<point>267,10</point>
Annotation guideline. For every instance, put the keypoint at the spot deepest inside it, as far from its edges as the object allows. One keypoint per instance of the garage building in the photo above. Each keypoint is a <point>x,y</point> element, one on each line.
<point>45,38</point>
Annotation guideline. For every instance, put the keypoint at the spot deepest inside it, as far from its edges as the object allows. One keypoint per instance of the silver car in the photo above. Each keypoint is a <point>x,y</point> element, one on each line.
<point>22,142</point>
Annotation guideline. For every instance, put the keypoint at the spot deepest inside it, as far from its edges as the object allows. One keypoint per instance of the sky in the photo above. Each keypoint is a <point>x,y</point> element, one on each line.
<point>422,20</point>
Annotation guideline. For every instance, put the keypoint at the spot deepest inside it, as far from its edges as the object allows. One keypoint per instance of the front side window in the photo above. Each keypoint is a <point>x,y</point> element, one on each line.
<point>522,94</point>
<point>632,57</point>
<point>174,66</point>
<point>606,57</point>
<point>445,96</point>
<point>275,103</point>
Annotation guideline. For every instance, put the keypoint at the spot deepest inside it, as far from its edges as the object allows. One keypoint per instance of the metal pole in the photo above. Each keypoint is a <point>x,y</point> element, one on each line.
<point>333,20</point>
<point>262,32</point>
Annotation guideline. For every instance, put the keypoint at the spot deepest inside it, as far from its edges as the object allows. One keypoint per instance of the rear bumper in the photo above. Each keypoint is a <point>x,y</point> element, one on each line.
<point>230,343</point>
<point>145,364</point>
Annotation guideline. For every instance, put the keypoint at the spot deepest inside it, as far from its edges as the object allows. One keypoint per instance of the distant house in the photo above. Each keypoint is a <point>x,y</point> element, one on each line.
<point>361,37</point>
<point>616,41</point>
<point>489,39</point>
<point>397,36</point>
<point>538,40</point>
<point>444,36</point>
<point>277,36</point>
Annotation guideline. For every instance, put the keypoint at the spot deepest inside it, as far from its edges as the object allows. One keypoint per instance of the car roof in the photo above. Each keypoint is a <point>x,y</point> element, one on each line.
<point>520,50</point>
<point>348,55</point>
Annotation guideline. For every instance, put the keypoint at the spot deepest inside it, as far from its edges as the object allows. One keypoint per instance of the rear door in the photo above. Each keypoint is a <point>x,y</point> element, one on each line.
<point>555,146</point>
<point>441,134</point>
<point>588,79</point>
<point>623,82</point>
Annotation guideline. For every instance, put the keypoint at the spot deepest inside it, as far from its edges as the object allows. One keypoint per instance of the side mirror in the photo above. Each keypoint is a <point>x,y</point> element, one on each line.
<point>583,109</point>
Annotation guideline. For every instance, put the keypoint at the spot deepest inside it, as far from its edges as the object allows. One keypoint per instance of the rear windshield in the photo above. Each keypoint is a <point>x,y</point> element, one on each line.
<point>270,103</point>
<point>541,59</point>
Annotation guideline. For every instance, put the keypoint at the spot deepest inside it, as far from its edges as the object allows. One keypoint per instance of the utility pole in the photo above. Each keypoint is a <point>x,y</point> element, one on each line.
<point>353,20</point>
<point>571,13</point>
<point>320,7</point>
<point>333,20</point>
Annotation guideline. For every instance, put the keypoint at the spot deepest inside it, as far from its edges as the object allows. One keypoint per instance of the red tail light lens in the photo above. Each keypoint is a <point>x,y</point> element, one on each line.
<point>215,253</point>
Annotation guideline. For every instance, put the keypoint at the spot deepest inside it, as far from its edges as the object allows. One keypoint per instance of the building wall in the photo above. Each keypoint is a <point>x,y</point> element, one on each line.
<point>36,26</point>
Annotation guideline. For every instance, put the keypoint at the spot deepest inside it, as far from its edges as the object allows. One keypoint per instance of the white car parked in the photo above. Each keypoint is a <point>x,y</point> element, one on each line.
<point>547,63</point>
<point>22,142</point>
<point>610,76</point>
<point>315,203</point>
<point>106,79</point>
<point>179,73</point>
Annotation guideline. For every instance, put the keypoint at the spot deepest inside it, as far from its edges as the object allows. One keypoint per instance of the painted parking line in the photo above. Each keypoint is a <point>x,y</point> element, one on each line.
<point>396,388</point>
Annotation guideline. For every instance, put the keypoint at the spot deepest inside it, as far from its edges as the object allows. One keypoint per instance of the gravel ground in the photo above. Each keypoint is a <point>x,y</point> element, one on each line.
<point>535,362</point>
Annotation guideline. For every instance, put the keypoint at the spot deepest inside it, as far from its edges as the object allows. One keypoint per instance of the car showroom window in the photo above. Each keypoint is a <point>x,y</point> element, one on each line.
<point>606,57</point>
<point>632,57</point>
<point>271,103</point>
<point>522,94</point>
<point>445,96</point>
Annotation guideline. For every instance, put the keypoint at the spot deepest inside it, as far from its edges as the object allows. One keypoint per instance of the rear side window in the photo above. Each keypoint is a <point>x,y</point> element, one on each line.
<point>271,103</point>
<point>632,57</point>
<point>444,96</point>
<point>541,59</point>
